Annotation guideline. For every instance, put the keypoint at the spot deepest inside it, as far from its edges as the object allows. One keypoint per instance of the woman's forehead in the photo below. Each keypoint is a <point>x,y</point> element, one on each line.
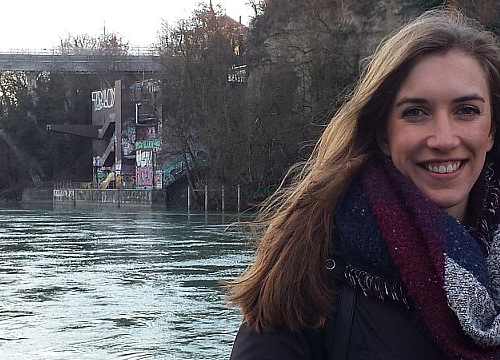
<point>450,75</point>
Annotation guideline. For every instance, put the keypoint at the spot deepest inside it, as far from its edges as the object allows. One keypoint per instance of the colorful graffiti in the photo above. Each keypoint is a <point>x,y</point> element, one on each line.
<point>128,181</point>
<point>148,144</point>
<point>144,177</point>
<point>144,168</point>
<point>105,178</point>
<point>128,140</point>
<point>171,173</point>
<point>159,179</point>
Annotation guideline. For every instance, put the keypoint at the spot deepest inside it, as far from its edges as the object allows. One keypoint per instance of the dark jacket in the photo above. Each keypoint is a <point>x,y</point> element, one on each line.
<point>380,330</point>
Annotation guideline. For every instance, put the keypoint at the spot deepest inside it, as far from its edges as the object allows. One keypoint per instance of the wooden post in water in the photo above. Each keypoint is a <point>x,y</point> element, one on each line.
<point>188,198</point>
<point>206,199</point>
<point>239,198</point>
<point>222,197</point>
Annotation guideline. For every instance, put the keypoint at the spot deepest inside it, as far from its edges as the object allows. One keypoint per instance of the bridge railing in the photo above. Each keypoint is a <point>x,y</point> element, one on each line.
<point>134,51</point>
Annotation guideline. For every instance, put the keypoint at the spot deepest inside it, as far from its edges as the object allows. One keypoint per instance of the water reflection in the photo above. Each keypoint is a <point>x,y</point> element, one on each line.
<point>116,284</point>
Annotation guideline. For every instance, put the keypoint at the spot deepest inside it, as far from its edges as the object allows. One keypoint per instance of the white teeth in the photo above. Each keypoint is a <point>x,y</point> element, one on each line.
<point>444,169</point>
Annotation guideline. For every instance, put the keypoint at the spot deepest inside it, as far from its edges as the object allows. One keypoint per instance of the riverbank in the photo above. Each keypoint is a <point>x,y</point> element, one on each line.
<point>114,197</point>
<point>177,197</point>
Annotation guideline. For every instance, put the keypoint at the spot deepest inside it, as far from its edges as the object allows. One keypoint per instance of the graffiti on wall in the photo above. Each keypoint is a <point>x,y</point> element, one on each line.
<point>128,181</point>
<point>144,158</point>
<point>159,179</point>
<point>128,140</point>
<point>103,99</point>
<point>148,144</point>
<point>144,168</point>
<point>105,179</point>
<point>144,177</point>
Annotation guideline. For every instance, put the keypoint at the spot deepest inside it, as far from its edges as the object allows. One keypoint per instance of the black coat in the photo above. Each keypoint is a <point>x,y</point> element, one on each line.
<point>380,331</point>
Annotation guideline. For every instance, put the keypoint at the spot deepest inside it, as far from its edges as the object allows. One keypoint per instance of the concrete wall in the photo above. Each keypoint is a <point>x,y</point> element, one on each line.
<point>37,195</point>
<point>94,196</point>
<point>109,196</point>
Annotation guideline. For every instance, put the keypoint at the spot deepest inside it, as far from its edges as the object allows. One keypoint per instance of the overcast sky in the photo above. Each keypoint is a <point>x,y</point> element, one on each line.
<point>40,24</point>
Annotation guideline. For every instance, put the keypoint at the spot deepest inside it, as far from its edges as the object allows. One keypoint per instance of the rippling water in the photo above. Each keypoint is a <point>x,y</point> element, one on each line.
<point>117,284</point>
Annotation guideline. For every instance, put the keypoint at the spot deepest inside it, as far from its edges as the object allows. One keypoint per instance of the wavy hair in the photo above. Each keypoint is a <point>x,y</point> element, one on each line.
<point>288,283</point>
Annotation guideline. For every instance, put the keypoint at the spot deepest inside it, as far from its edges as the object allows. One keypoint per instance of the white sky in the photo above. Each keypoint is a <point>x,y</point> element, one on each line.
<point>40,24</point>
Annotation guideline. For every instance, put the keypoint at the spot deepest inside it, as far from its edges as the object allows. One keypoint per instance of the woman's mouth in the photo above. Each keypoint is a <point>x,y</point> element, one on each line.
<point>445,167</point>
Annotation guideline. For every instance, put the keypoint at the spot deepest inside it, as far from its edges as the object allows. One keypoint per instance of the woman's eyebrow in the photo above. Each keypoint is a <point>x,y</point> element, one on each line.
<point>408,100</point>
<point>417,100</point>
<point>469,98</point>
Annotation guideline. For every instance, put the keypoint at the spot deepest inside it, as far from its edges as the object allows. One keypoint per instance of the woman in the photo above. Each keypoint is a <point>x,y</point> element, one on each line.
<point>400,203</point>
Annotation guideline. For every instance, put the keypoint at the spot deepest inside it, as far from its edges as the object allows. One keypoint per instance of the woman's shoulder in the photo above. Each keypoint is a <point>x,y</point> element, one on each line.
<point>305,344</point>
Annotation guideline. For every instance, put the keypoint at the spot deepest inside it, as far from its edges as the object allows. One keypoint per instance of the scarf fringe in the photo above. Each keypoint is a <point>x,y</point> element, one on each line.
<point>373,285</point>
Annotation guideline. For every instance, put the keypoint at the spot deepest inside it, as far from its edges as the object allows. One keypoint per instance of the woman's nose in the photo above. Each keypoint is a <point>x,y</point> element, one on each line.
<point>443,135</point>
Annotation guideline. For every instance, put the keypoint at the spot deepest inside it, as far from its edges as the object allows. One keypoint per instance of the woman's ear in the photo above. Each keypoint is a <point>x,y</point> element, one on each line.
<point>491,141</point>
<point>382,141</point>
<point>491,138</point>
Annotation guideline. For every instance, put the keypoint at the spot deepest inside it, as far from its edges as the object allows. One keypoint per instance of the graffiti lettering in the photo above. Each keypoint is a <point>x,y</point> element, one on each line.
<point>148,144</point>
<point>144,158</point>
<point>144,176</point>
<point>103,99</point>
<point>64,193</point>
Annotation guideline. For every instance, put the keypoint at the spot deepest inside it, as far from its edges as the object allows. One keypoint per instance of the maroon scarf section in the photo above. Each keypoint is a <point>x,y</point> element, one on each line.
<point>413,228</point>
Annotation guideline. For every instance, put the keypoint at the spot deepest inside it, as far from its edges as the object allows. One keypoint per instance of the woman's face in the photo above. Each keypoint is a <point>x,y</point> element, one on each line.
<point>439,128</point>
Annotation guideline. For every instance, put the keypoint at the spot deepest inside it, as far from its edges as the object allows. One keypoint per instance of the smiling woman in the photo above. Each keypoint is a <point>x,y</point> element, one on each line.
<point>387,245</point>
<point>439,130</point>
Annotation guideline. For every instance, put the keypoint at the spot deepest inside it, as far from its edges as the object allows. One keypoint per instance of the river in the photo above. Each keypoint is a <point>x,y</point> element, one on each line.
<point>117,284</point>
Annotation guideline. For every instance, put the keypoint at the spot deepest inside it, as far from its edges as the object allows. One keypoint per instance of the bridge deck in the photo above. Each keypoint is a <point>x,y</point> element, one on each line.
<point>79,63</point>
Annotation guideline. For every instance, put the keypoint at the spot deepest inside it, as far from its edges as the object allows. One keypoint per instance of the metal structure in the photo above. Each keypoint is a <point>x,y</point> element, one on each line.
<point>83,61</point>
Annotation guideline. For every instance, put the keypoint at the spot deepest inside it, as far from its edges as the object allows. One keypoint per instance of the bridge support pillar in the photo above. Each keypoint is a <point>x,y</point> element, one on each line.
<point>31,77</point>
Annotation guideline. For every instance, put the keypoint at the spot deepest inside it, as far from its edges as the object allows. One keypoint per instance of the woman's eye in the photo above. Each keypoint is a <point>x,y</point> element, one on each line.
<point>413,112</point>
<point>468,110</point>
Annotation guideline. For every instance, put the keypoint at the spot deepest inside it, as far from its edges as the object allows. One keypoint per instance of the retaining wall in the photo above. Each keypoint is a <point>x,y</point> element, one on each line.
<point>97,196</point>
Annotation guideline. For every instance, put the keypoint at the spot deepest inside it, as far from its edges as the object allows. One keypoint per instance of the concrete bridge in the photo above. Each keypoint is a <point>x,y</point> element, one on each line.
<point>81,61</point>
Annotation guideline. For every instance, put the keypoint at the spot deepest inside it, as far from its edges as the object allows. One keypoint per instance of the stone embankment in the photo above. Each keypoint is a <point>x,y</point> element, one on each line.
<point>95,196</point>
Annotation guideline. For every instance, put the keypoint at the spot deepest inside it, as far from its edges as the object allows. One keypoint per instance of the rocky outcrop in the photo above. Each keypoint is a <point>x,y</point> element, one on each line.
<point>337,32</point>
<point>303,59</point>
<point>300,32</point>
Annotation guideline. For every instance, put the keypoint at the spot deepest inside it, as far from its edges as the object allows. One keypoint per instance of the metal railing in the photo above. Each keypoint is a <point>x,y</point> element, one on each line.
<point>136,50</point>
<point>68,184</point>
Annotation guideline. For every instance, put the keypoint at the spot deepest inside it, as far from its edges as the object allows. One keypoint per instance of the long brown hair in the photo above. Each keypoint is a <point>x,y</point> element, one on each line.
<point>288,283</point>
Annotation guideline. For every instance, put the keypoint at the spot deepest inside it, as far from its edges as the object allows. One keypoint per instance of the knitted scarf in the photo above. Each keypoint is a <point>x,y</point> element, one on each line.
<point>402,246</point>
